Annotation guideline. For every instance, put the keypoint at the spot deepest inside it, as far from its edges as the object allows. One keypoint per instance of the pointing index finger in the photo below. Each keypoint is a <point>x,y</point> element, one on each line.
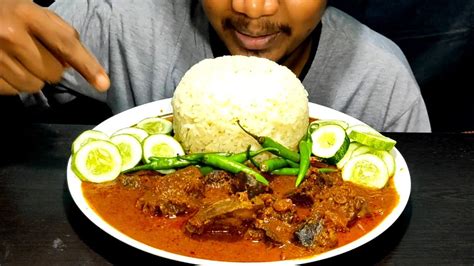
<point>63,42</point>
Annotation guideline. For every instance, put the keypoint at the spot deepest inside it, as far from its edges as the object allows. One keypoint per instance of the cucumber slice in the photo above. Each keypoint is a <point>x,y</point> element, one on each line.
<point>361,150</point>
<point>387,159</point>
<point>138,133</point>
<point>155,125</point>
<point>97,161</point>
<point>373,140</point>
<point>130,149</point>
<point>315,124</point>
<point>330,142</point>
<point>352,147</point>
<point>87,136</point>
<point>362,128</point>
<point>160,145</point>
<point>366,170</point>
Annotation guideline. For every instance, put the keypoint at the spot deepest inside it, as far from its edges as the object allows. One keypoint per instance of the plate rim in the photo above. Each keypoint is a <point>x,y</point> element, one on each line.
<point>131,116</point>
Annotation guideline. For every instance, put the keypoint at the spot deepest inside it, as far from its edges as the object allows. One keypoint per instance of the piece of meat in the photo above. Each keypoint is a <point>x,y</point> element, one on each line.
<point>253,187</point>
<point>315,232</point>
<point>224,180</point>
<point>283,205</point>
<point>281,209</point>
<point>254,234</point>
<point>221,185</point>
<point>275,218</point>
<point>277,230</point>
<point>229,216</point>
<point>304,194</point>
<point>174,194</point>
<point>138,180</point>
<point>314,184</point>
<point>341,205</point>
<point>130,181</point>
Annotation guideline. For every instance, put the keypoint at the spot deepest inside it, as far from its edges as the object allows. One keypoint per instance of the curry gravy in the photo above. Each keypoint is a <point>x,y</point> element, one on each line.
<point>117,206</point>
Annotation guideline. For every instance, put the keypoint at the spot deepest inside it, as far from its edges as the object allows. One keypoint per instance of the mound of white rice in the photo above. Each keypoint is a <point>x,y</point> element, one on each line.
<point>267,99</point>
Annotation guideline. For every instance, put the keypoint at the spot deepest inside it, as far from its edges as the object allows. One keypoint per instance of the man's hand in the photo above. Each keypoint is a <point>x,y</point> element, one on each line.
<point>36,46</point>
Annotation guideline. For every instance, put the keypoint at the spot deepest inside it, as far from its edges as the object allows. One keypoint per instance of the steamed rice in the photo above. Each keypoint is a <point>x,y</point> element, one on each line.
<point>267,99</point>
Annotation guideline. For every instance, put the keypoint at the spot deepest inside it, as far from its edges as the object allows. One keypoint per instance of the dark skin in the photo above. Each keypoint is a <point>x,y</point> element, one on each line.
<point>36,45</point>
<point>274,29</point>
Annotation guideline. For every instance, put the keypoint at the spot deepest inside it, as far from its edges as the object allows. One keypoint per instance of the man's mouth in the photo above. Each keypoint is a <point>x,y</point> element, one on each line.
<point>255,36</point>
<point>255,42</point>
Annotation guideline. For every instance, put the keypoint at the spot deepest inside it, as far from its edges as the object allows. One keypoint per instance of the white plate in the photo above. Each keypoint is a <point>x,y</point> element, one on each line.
<point>163,107</point>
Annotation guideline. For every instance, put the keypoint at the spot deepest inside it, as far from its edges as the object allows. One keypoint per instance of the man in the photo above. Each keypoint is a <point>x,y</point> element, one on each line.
<point>143,48</point>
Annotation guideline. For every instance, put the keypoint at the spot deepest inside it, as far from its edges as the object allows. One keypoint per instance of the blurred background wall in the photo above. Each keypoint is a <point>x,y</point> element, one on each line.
<point>437,38</point>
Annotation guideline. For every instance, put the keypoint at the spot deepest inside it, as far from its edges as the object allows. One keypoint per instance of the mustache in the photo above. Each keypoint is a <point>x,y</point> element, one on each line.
<point>241,23</point>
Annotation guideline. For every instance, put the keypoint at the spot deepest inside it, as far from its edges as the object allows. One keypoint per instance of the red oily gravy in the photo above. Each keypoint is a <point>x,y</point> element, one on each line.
<point>116,205</point>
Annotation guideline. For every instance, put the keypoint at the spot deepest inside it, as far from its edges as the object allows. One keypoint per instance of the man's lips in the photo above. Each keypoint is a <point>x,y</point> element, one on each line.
<point>260,42</point>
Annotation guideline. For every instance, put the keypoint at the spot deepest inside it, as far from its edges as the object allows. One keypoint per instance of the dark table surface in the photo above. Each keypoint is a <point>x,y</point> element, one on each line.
<point>40,223</point>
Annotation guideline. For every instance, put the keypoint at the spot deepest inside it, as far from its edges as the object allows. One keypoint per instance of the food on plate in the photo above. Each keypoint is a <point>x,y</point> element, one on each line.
<point>160,145</point>
<point>366,170</point>
<point>97,161</point>
<point>203,189</point>
<point>130,149</point>
<point>86,137</point>
<point>138,133</point>
<point>330,142</point>
<point>155,125</point>
<point>267,99</point>
<point>209,202</point>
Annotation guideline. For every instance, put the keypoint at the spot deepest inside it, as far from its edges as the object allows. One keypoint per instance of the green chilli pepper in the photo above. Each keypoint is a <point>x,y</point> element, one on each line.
<point>268,142</point>
<point>286,171</point>
<point>305,156</point>
<point>234,167</point>
<point>272,164</point>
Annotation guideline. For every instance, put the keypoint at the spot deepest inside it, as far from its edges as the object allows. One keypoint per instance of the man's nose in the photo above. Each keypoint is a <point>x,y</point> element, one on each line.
<point>256,8</point>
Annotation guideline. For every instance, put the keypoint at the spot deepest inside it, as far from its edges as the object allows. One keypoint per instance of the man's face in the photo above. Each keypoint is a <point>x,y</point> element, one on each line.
<point>273,29</point>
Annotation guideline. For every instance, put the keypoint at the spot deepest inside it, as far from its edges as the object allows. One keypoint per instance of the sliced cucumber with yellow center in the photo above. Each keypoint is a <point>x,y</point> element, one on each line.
<point>388,160</point>
<point>97,161</point>
<point>352,147</point>
<point>87,136</point>
<point>155,125</point>
<point>160,145</point>
<point>138,133</point>
<point>367,170</point>
<point>130,149</point>
<point>330,142</point>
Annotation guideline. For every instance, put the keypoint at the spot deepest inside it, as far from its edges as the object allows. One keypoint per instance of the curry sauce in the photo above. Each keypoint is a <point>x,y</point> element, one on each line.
<point>255,234</point>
